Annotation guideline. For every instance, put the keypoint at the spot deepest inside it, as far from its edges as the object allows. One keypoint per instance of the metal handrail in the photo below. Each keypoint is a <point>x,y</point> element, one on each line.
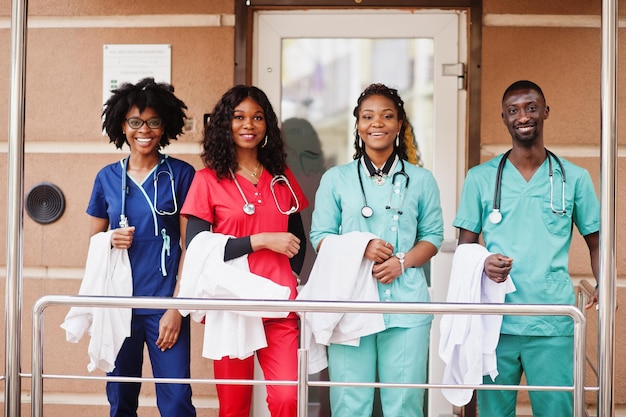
<point>316,306</point>
<point>585,291</point>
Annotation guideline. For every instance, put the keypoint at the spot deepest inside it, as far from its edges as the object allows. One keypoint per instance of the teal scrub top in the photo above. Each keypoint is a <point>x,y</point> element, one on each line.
<point>533,235</point>
<point>338,204</point>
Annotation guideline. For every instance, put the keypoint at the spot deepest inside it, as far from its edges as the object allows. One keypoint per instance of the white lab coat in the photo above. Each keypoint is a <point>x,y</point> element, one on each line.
<point>107,273</point>
<point>340,273</point>
<point>236,334</point>
<point>468,342</point>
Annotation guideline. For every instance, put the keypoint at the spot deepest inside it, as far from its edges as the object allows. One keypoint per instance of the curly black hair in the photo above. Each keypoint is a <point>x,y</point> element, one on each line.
<point>146,93</point>
<point>390,93</point>
<point>218,146</point>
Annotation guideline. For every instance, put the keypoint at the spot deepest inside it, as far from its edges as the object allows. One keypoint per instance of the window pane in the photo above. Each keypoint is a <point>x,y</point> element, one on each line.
<point>322,79</point>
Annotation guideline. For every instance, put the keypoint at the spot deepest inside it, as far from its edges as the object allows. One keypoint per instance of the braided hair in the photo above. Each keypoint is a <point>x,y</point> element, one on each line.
<point>407,148</point>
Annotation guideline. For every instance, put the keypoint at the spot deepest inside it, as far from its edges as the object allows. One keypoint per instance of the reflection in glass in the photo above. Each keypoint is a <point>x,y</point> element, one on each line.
<point>322,79</point>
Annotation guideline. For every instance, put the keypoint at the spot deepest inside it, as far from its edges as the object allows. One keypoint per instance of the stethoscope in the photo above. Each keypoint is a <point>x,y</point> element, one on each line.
<point>154,202</point>
<point>165,248</point>
<point>250,209</point>
<point>367,211</point>
<point>495,216</point>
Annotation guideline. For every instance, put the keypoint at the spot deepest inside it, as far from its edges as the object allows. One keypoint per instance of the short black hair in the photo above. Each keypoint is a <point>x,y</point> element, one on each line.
<point>523,85</point>
<point>146,93</point>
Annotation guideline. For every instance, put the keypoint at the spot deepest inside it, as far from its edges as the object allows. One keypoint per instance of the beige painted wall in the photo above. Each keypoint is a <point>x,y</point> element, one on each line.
<point>64,144</point>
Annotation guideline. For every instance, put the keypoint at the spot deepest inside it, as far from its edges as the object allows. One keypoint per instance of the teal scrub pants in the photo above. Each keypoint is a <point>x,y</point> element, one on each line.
<point>398,355</point>
<point>545,360</point>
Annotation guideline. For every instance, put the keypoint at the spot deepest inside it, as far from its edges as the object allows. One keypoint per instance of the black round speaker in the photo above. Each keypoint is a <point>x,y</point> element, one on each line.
<point>45,203</point>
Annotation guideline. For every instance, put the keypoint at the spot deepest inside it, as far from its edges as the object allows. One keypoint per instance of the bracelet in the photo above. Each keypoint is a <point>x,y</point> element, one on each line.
<point>297,277</point>
<point>400,256</point>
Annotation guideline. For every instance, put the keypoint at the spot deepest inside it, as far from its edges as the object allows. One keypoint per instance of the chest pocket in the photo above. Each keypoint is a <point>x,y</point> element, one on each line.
<point>558,223</point>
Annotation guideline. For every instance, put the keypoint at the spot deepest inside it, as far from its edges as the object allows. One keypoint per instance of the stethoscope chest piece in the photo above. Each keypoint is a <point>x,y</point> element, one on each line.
<point>367,212</point>
<point>249,209</point>
<point>495,216</point>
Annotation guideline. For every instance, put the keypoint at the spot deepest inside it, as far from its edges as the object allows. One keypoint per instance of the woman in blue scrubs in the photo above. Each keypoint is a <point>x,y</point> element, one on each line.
<point>383,193</point>
<point>140,198</point>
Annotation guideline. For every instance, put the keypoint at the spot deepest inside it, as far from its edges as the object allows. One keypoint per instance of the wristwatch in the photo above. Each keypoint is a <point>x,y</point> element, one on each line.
<point>400,256</point>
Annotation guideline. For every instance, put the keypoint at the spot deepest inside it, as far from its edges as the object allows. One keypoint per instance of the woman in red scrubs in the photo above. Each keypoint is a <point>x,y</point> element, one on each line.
<point>248,191</point>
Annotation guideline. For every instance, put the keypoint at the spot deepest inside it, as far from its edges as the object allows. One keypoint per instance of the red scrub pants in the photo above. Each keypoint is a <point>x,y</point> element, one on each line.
<point>279,361</point>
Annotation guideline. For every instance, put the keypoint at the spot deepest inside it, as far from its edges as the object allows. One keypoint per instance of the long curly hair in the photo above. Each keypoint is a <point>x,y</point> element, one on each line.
<point>218,147</point>
<point>146,93</point>
<point>407,148</point>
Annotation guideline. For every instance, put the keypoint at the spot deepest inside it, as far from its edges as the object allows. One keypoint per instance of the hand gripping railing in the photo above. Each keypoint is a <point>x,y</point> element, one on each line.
<point>314,306</point>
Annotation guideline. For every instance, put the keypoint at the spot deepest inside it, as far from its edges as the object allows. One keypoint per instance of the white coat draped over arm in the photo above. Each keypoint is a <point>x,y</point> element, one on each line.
<point>468,341</point>
<point>236,334</point>
<point>107,273</point>
<point>340,273</point>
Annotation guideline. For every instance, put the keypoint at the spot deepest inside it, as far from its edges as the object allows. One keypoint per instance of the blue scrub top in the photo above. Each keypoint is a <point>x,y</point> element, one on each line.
<point>338,204</point>
<point>155,251</point>
<point>533,235</point>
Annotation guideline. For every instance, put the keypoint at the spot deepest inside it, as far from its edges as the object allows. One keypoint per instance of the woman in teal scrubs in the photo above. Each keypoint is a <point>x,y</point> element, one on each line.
<point>384,193</point>
<point>528,228</point>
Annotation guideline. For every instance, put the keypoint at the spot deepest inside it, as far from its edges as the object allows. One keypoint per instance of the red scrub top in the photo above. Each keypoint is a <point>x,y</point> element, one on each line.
<point>220,203</point>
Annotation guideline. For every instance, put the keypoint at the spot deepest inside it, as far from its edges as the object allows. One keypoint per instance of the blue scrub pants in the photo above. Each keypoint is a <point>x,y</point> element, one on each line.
<point>173,400</point>
<point>399,355</point>
<point>545,360</point>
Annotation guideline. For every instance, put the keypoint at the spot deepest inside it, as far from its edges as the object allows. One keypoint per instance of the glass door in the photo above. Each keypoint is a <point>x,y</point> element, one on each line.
<point>314,64</point>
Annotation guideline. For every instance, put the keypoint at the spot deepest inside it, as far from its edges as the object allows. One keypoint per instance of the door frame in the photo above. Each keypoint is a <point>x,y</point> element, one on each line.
<point>244,21</point>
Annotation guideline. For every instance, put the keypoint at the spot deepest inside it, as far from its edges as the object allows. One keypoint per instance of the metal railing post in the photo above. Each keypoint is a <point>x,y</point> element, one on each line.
<point>608,175</point>
<point>15,211</point>
<point>303,382</point>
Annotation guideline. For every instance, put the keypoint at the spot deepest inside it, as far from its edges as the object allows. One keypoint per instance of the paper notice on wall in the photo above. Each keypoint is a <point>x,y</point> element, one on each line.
<point>132,62</point>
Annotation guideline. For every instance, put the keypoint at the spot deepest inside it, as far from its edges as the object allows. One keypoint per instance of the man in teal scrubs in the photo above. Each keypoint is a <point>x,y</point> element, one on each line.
<point>525,204</point>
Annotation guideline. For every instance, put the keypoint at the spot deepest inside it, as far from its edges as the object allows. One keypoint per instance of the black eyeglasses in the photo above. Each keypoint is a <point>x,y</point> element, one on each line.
<point>136,122</point>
